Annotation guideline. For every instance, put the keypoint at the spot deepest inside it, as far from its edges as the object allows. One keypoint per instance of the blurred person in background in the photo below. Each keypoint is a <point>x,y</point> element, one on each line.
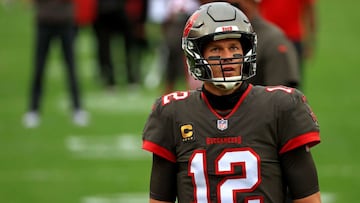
<point>177,12</point>
<point>110,20</point>
<point>137,14</point>
<point>54,20</point>
<point>297,18</point>
<point>124,18</point>
<point>85,11</point>
<point>277,61</point>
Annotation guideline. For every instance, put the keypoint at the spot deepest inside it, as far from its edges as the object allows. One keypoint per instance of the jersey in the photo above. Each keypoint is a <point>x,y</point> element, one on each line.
<point>287,15</point>
<point>276,60</point>
<point>55,12</point>
<point>232,158</point>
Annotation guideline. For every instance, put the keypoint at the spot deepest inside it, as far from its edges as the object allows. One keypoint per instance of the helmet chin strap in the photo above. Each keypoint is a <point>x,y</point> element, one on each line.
<point>227,83</point>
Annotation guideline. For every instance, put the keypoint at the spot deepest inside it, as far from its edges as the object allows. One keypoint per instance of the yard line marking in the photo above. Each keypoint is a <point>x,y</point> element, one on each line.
<point>124,146</point>
<point>118,102</point>
<point>343,170</point>
<point>328,197</point>
<point>117,198</point>
<point>121,102</point>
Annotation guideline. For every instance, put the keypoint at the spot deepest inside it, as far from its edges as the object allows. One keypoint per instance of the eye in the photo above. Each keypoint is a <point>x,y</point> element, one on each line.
<point>214,49</point>
<point>235,48</point>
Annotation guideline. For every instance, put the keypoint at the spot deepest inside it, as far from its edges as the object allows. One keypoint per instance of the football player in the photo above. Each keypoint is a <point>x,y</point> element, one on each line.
<point>230,141</point>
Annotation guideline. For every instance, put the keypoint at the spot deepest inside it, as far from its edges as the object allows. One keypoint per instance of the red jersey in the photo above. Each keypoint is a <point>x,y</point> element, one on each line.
<point>285,14</point>
<point>85,11</point>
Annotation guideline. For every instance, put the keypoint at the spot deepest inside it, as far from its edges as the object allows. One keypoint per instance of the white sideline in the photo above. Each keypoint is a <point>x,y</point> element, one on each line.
<point>112,103</point>
<point>328,197</point>
<point>117,198</point>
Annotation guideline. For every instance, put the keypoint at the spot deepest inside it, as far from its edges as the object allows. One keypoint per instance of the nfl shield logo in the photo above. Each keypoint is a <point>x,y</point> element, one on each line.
<point>222,124</point>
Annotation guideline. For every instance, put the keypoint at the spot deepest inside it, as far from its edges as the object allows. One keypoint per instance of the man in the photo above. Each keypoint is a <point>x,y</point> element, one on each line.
<point>125,19</point>
<point>230,141</point>
<point>54,19</point>
<point>177,12</point>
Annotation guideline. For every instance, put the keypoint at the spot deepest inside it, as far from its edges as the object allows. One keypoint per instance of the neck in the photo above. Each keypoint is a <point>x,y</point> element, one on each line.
<point>219,91</point>
<point>225,101</point>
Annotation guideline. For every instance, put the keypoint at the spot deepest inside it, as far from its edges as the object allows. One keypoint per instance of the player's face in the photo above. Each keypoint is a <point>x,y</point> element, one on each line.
<point>224,49</point>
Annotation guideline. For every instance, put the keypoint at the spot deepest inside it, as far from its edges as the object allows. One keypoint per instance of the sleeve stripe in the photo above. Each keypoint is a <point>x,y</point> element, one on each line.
<point>310,138</point>
<point>158,150</point>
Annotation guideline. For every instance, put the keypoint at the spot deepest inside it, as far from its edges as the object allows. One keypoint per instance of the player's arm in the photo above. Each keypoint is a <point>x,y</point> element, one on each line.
<point>163,180</point>
<point>301,175</point>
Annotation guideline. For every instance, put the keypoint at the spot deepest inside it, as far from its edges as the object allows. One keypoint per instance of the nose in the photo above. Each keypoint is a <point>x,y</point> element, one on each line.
<point>227,55</point>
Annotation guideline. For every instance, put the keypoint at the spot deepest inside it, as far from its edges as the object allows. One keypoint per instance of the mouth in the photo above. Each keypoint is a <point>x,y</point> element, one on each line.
<point>228,71</point>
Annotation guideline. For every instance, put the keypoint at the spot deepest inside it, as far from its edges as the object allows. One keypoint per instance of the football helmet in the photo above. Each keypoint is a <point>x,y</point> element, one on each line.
<point>216,21</point>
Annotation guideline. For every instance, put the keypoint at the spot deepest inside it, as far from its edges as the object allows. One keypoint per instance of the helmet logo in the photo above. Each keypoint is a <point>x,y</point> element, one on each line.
<point>190,23</point>
<point>227,28</point>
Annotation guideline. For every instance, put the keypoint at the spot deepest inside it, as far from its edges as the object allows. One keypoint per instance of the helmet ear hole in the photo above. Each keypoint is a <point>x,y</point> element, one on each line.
<point>202,69</point>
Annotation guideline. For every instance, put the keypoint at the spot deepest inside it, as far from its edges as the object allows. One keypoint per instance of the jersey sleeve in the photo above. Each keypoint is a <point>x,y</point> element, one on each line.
<point>157,133</point>
<point>298,124</point>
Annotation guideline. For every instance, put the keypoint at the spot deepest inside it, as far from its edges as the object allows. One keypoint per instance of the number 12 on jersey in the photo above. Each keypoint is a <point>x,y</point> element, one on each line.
<point>232,183</point>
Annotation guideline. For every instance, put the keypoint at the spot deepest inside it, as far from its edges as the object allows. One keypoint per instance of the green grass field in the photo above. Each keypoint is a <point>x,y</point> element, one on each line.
<point>103,163</point>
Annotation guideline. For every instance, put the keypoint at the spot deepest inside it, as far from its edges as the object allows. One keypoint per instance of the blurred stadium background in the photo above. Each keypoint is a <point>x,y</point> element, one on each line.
<point>103,163</point>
